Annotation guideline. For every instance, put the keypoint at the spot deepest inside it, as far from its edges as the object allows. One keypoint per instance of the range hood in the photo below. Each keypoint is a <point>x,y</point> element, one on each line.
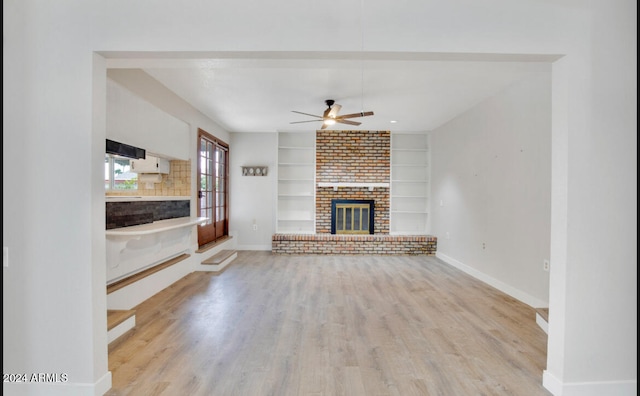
<point>125,150</point>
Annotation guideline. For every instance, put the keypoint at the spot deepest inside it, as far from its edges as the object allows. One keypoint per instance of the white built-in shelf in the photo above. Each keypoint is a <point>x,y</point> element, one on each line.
<point>132,198</point>
<point>295,218</point>
<point>296,182</point>
<point>410,182</point>
<point>156,226</point>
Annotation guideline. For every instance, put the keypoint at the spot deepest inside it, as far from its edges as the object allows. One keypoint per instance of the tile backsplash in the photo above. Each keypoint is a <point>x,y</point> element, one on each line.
<point>125,214</point>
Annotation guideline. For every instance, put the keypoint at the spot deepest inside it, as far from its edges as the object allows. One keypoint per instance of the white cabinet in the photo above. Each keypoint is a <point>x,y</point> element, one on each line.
<point>409,183</point>
<point>296,182</point>
<point>151,164</point>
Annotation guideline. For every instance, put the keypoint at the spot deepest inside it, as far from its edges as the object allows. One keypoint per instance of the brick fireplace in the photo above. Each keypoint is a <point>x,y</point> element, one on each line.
<point>348,164</point>
<point>353,165</point>
<point>379,196</point>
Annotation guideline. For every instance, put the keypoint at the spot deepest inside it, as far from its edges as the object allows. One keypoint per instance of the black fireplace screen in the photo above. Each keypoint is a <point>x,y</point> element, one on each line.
<point>352,216</point>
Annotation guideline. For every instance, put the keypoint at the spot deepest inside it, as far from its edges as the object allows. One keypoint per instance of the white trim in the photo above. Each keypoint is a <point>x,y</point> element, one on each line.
<point>120,329</point>
<point>542,323</point>
<point>269,247</point>
<point>131,198</point>
<point>370,186</point>
<point>135,293</point>
<point>156,226</point>
<point>503,287</point>
<point>98,388</point>
<point>557,388</point>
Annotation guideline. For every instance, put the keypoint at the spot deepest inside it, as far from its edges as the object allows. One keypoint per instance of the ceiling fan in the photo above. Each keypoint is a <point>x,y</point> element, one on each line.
<point>330,115</point>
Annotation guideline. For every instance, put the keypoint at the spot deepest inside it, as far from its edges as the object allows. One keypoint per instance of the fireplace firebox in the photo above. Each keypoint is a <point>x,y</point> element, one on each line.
<point>352,216</point>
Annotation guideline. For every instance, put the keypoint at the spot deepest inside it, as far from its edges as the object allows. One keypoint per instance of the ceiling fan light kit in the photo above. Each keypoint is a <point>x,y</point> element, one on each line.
<point>331,115</point>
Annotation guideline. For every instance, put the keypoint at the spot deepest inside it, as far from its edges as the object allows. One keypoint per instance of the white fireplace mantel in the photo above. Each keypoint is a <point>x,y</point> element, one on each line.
<point>370,186</point>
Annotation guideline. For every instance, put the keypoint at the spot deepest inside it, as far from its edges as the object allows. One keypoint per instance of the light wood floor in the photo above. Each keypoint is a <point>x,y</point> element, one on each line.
<point>330,325</point>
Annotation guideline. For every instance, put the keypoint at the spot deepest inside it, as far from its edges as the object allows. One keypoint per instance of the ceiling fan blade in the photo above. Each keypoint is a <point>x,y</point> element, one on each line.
<point>340,120</point>
<point>333,113</point>
<point>310,115</point>
<point>324,126</point>
<point>354,115</point>
<point>300,122</point>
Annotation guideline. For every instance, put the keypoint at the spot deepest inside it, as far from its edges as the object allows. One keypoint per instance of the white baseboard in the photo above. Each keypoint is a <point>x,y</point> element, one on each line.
<point>120,329</point>
<point>503,287</point>
<point>542,323</point>
<point>254,247</point>
<point>57,387</point>
<point>618,388</point>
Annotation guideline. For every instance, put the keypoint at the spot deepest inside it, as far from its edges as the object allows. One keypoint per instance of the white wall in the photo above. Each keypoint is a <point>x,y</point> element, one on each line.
<point>253,197</point>
<point>137,122</point>
<point>491,189</point>
<point>150,90</point>
<point>54,61</point>
<point>594,211</point>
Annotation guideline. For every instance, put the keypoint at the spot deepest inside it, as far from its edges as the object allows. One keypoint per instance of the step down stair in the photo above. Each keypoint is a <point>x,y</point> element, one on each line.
<point>213,244</point>
<point>542,318</point>
<point>129,280</point>
<point>219,260</point>
<point>119,322</point>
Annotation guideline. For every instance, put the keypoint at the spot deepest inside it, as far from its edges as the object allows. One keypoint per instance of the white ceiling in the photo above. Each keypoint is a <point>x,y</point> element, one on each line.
<point>257,92</point>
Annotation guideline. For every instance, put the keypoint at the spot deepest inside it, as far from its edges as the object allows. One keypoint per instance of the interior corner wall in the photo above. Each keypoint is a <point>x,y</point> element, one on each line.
<point>252,211</point>
<point>491,189</point>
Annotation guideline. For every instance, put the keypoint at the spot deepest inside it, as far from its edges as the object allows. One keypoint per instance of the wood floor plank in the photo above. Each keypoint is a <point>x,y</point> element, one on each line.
<point>330,325</point>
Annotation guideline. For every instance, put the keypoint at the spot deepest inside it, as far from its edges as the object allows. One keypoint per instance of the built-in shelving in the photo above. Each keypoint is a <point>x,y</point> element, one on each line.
<point>296,182</point>
<point>409,183</point>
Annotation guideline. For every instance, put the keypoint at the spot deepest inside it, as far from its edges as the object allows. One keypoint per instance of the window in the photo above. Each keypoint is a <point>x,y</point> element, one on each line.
<point>118,175</point>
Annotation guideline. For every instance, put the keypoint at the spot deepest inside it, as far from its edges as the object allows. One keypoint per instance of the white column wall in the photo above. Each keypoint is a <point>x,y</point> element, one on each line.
<point>594,238</point>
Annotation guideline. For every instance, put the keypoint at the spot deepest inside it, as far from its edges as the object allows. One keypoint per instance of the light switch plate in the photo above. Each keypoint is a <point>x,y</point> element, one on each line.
<point>5,256</point>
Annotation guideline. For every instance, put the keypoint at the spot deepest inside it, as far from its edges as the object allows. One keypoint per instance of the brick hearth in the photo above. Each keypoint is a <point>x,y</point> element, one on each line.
<point>353,244</point>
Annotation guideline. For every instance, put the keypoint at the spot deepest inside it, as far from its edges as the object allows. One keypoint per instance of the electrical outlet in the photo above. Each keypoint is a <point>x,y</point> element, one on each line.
<point>255,227</point>
<point>545,265</point>
<point>448,235</point>
<point>5,256</point>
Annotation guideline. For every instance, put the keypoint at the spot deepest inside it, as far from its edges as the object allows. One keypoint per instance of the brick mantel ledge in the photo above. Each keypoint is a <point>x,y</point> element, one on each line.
<point>353,244</point>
